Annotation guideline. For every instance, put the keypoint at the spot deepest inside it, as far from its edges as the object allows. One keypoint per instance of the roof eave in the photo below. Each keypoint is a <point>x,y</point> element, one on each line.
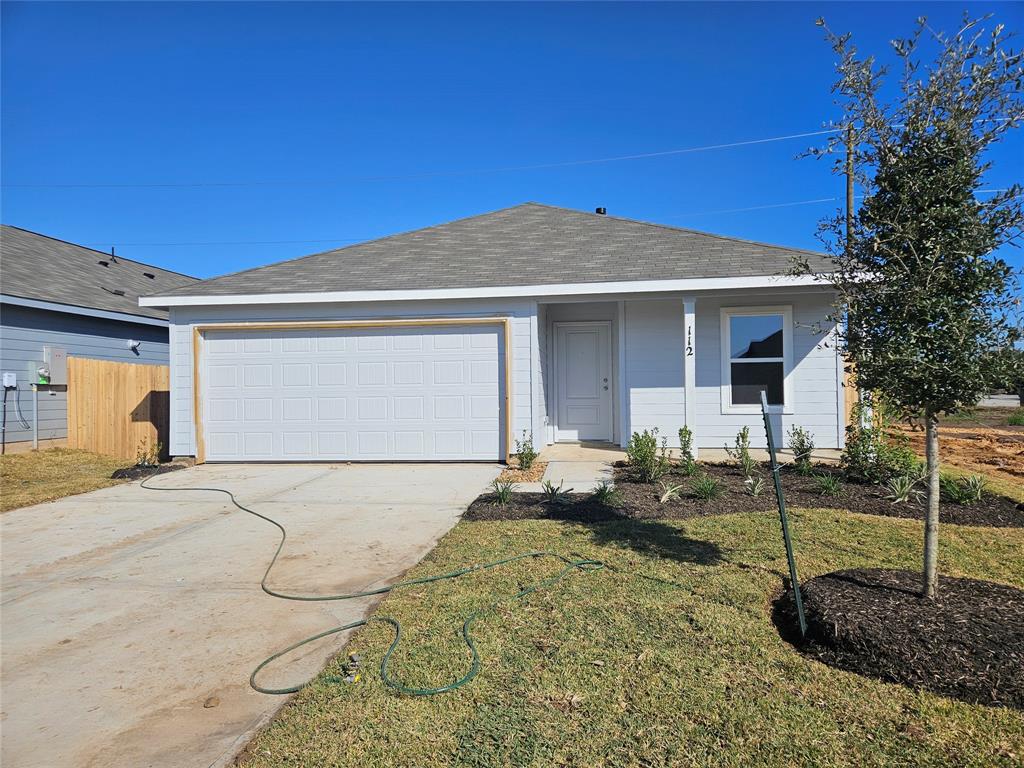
<point>507,291</point>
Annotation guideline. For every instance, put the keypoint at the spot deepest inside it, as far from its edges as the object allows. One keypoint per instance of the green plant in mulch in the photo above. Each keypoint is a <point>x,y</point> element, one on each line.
<point>903,488</point>
<point>503,490</point>
<point>525,452</point>
<point>606,493</point>
<point>754,485</point>
<point>644,456</point>
<point>554,495</point>
<point>827,485</point>
<point>670,492</point>
<point>1016,418</point>
<point>706,487</point>
<point>962,490</point>
<point>687,462</point>
<point>801,443</point>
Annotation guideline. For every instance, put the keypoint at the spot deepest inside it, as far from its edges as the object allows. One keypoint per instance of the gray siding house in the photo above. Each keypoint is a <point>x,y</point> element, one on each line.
<point>65,297</point>
<point>450,342</point>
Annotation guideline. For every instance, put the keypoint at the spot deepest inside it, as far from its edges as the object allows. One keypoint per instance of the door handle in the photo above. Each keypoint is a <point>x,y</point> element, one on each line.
<point>606,387</point>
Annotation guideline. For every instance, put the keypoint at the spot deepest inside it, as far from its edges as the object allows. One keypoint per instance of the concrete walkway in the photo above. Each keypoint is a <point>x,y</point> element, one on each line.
<point>579,466</point>
<point>125,610</point>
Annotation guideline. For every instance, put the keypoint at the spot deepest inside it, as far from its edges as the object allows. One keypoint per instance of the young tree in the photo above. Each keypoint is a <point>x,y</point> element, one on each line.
<point>925,307</point>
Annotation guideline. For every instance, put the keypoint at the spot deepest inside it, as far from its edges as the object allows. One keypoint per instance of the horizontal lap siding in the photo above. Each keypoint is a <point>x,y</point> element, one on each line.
<point>24,331</point>
<point>655,394</point>
<point>184,318</point>
<point>815,379</point>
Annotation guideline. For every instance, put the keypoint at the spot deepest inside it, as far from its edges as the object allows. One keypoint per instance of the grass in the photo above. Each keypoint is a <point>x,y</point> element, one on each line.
<point>613,669</point>
<point>37,476</point>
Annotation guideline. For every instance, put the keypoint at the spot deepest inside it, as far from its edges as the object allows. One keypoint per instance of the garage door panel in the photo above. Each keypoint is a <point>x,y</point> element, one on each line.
<point>353,394</point>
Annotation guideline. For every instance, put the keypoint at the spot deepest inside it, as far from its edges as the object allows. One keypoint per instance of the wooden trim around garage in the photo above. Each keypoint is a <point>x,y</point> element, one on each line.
<point>198,330</point>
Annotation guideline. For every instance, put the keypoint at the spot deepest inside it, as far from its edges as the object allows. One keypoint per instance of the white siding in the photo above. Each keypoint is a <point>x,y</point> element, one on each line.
<point>655,395</point>
<point>184,318</point>
<point>815,382</point>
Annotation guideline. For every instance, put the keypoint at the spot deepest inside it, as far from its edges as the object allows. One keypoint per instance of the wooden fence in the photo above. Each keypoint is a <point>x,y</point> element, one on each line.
<point>117,408</point>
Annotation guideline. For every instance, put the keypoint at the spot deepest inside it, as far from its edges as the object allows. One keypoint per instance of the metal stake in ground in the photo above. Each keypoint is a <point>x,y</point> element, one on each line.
<point>782,516</point>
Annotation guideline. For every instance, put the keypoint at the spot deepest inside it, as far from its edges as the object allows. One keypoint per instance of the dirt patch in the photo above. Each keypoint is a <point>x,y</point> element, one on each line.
<point>516,475</point>
<point>141,473</point>
<point>979,442</point>
<point>643,501</point>
<point>968,643</point>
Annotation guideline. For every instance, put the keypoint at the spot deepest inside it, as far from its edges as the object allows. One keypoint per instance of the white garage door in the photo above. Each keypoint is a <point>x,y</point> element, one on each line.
<point>381,394</point>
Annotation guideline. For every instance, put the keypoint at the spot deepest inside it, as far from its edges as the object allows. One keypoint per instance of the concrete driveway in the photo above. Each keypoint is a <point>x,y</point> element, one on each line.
<point>125,610</point>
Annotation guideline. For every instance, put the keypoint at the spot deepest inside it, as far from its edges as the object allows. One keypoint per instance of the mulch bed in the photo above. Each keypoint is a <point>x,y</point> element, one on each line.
<point>642,501</point>
<point>141,473</point>
<point>967,644</point>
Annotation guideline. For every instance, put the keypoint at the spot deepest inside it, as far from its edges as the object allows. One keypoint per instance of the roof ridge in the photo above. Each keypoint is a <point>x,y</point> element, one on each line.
<point>102,253</point>
<point>673,228</point>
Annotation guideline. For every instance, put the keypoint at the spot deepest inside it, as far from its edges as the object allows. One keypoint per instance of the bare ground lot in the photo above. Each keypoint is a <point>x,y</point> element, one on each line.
<point>981,443</point>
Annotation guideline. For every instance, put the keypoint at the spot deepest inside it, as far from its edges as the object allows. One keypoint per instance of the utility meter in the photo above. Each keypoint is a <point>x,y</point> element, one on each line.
<point>38,372</point>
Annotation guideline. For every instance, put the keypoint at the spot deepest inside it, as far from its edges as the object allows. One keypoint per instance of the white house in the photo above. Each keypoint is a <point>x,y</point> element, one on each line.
<point>447,343</point>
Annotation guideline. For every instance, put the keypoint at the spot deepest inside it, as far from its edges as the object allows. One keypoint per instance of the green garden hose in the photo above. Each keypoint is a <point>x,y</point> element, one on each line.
<point>583,564</point>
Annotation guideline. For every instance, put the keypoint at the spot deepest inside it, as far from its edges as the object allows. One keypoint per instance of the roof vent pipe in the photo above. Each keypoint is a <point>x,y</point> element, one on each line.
<point>601,211</point>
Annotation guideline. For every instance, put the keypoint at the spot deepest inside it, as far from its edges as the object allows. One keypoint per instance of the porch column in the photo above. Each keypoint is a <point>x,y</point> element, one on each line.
<point>690,365</point>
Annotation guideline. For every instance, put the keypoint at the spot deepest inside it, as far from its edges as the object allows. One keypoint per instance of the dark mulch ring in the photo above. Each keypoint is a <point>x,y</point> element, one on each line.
<point>642,501</point>
<point>140,473</point>
<point>967,644</point>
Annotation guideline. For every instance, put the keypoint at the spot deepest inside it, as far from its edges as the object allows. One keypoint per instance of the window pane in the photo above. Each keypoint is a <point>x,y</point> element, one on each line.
<point>748,379</point>
<point>755,336</point>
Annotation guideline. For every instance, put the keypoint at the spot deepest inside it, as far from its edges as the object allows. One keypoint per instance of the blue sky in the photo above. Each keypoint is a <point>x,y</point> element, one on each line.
<point>176,93</point>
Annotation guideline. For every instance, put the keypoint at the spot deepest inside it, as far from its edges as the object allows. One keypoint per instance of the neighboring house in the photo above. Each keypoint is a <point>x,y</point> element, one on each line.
<point>448,343</point>
<point>65,297</point>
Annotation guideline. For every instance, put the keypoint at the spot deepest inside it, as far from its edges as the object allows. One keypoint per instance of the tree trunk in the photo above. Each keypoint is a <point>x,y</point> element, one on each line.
<point>931,519</point>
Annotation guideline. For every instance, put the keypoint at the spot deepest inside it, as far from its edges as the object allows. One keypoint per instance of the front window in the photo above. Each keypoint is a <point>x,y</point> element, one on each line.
<point>755,342</point>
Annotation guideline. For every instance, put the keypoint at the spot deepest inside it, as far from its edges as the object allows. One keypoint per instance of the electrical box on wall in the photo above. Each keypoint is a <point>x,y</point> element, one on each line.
<point>38,372</point>
<point>56,360</point>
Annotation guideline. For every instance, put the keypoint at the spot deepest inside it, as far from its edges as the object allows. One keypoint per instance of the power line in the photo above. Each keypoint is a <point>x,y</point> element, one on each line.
<point>349,240</point>
<point>427,175</point>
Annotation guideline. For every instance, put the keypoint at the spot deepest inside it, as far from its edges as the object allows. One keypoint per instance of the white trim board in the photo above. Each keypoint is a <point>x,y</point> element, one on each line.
<point>506,291</point>
<point>70,309</point>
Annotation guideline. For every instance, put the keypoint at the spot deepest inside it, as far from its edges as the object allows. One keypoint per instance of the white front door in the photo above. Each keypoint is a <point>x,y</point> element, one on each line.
<point>583,387</point>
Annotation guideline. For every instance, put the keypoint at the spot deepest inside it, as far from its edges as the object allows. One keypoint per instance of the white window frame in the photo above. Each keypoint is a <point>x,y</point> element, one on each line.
<point>786,311</point>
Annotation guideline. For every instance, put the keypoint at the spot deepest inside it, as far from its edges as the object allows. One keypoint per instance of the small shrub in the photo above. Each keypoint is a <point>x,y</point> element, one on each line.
<point>643,455</point>
<point>687,462</point>
<point>606,493</point>
<point>1016,418</point>
<point>827,485</point>
<point>801,443</point>
<point>902,489</point>
<point>554,495</point>
<point>147,455</point>
<point>525,452</point>
<point>503,490</point>
<point>754,484</point>
<point>670,492</point>
<point>706,487</point>
<point>741,447</point>
<point>963,491</point>
<point>748,465</point>
<point>871,456</point>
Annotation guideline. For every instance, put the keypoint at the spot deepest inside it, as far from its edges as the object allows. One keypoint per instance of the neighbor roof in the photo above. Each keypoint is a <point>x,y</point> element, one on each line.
<point>43,268</point>
<point>528,244</point>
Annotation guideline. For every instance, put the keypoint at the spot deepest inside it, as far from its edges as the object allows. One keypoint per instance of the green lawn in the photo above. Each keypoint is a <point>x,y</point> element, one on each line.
<point>607,669</point>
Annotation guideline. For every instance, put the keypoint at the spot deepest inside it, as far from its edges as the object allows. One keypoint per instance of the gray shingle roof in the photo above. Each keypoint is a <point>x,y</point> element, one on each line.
<point>34,266</point>
<point>529,244</point>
